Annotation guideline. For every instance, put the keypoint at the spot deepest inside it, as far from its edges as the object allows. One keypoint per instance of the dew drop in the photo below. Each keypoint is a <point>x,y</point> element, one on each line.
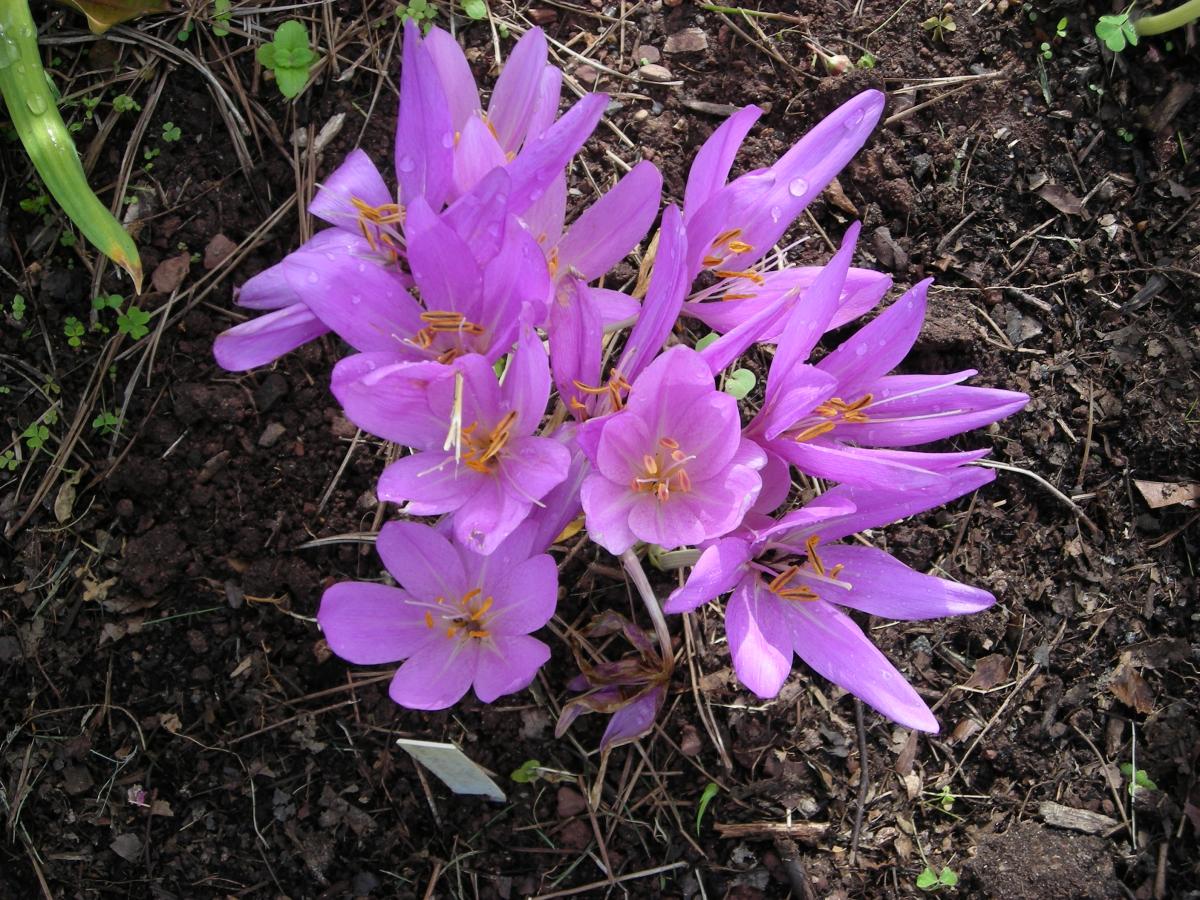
<point>313,277</point>
<point>776,213</point>
<point>355,299</point>
<point>447,140</point>
<point>861,349</point>
<point>36,104</point>
<point>798,187</point>
<point>406,164</point>
<point>535,195</point>
<point>362,267</point>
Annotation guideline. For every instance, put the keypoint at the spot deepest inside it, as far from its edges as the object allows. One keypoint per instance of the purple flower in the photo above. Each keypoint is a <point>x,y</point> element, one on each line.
<point>732,225</point>
<point>458,619</point>
<point>477,454</point>
<point>788,582</point>
<point>843,418</point>
<point>671,468</point>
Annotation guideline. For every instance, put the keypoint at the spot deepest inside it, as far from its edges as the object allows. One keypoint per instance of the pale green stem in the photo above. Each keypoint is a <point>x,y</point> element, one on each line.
<point>1181,15</point>
<point>633,566</point>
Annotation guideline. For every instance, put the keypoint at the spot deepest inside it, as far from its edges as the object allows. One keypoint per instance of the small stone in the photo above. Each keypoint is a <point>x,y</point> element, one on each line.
<point>127,846</point>
<point>169,273</point>
<point>125,508</point>
<point>271,435</point>
<point>648,54</point>
<point>234,595</point>
<point>77,780</point>
<point>689,743</point>
<point>921,164</point>
<point>655,73</point>
<point>570,802</point>
<point>217,251</point>
<point>587,74</point>
<point>273,388</point>
<point>688,40</point>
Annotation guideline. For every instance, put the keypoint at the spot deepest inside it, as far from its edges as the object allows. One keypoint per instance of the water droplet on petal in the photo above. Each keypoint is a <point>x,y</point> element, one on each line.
<point>355,299</point>
<point>313,277</point>
<point>798,187</point>
<point>776,213</point>
<point>406,164</point>
<point>861,349</point>
<point>535,195</point>
<point>447,140</point>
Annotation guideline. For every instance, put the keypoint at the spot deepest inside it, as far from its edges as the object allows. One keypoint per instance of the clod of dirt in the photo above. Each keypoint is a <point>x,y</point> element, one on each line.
<point>570,802</point>
<point>152,559</point>
<point>217,251</point>
<point>1030,862</point>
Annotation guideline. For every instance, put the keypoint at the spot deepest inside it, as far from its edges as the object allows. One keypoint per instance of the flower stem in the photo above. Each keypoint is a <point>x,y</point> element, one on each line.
<point>1170,20</point>
<point>633,566</point>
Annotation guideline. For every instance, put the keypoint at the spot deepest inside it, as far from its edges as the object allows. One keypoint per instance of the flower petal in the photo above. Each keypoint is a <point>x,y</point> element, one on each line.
<point>526,386</point>
<point>917,409</point>
<point>442,264</point>
<point>524,597</point>
<point>533,466</point>
<point>760,641</point>
<point>431,483</point>
<point>607,505</point>
<point>355,179</point>
<point>367,624</point>
<point>265,338</point>
<point>720,567</point>
<point>476,153</point>
<point>517,89</point>
<point>542,159</point>
<point>884,586</point>
<point>437,675</point>
<point>886,470</point>
<point>508,664</point>
<point>404,402</point>
<point>634,720</point>
<point>710,168</point>
<point>492,514</point>
<point>833,645</point>
<point>421,560</point>
<point>424,132</point>
<point>454,74</point>
<point>610,228</point>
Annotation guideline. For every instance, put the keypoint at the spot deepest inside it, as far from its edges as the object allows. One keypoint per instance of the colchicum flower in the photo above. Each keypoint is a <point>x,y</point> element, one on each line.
<point>477,454</point>
<point>787,582</point>
<point>457,620</point>
<point>671,468</point>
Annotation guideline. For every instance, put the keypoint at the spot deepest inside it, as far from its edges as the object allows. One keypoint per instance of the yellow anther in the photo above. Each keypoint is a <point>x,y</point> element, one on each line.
<point>749,274</point>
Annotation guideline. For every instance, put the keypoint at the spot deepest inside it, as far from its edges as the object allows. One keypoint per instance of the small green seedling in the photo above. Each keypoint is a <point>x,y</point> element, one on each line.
<point>220,27</point>
<point>107,301</point>
<point>37,204</point>
<point>945,799</point>
<point>1060,30</point>
<point>171,132</point>
<point>1138,779</point>
<point>133,323</point>
<point>18,307</point>
<point>706,798</point>
<point>106,423</point>
<point>289,56</point>
<point>939,26</point>
<point>1125,135</point>
<point>739,383</point>
<point>475,9</point>
<point>1047,53</point>
<point>527,772</point>
<point>928,880</point>
<point>74,331</point>
<point>1117,30</point>
<point>421,12</point>
<point>124,103</point>
<point>36,436</point>
<point>867,61</point>
<point>8,461</point>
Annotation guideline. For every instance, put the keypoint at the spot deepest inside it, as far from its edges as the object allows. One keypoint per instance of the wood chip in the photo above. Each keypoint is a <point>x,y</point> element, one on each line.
<point>806,832</point>
<point>689,40</point>
<point>1076,819</point>
<point>1158,494</point>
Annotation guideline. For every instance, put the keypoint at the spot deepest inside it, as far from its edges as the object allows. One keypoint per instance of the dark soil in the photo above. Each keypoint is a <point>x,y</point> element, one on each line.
<point>173,724</point>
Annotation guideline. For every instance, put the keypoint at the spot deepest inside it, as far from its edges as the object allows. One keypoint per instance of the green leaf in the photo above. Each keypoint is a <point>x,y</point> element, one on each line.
<point>291,81</point>
<point>475,9</point>
<point>739,383</point>
<point>1117,31</point>
<point>266,56</point>
<point>927,879</point>
<point>291,35</point>
<point>527,772</point>
<point>948,877</point>
<point>133,323</point>
<point>707,340</point>
<point>221,15</point>
<point>706,798</point>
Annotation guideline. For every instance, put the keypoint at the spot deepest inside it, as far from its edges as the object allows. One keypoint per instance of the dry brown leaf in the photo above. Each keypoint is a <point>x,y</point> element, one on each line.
<point>989,672</point>
<point>1131,689</point>
<point>835,195</point>
<point>1158,494</point>
<point>1061,199</point>
<point>170,721</point>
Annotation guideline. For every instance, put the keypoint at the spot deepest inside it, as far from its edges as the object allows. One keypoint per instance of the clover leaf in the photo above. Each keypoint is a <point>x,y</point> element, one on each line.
<point>1116,31</point>
<point>289,56</point>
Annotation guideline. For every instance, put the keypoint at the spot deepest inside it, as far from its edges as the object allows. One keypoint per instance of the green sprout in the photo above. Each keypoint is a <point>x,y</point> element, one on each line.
<point>527,772</point>
<point>124,103</point>
<point>74,331</point>
<point>171,132</point>
<point>475,9</point>
<point>1117,30</point>
<point>1137,779</point>
<point>422,13</point>
<point>289,56</point>
<point>107,301</point>
<point>739,383</point>
<point>867,61</point>
<point>8,461</point>
<point>133,323</point>
<point>928,880</point>
<point>938,26</point>
<point>221,10</point>
<point>106,423</point>
<point>706,798</point>
<point>18,307</point>
<point>1060,30</point>
<point>1047,53</point>
<point>1125,135</point>
<point>36,205</point>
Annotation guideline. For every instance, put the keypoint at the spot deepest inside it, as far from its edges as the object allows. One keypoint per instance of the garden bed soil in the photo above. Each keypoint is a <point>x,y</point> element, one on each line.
<point>175,726</point>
